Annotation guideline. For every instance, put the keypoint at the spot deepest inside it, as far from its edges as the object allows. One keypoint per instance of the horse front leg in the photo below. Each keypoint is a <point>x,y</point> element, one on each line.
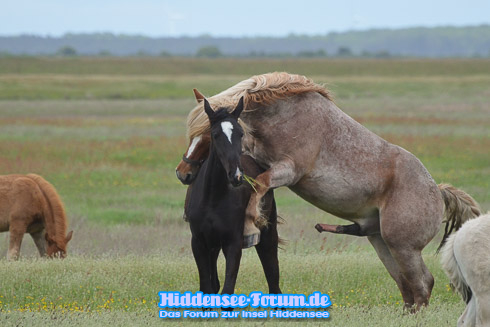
<point>280,174</point>
<point>233,255</point>
<point>17,229</point>
<point>203,260</point>
<point>40,241</point>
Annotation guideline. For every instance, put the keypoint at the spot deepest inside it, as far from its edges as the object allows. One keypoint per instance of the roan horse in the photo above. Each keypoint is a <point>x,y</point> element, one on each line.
<point>466,260</point>
<point>305,142</point>
<point>29,204</point>
<point>216,210</point>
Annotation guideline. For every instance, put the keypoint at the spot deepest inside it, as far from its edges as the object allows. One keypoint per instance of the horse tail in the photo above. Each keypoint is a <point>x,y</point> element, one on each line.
<point>451,266</point>
<point>53,210</point>
<point>459,207</point>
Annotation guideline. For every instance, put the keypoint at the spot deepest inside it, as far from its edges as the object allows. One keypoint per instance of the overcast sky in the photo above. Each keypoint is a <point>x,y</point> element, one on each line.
<point>232,18</point>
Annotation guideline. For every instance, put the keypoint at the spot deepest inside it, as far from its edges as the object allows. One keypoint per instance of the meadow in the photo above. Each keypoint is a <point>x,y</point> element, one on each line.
<point>109,132</point>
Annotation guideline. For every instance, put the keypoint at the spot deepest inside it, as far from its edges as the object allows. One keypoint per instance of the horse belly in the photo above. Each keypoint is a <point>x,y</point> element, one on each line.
<point>336,196</point>
<point>217,224</point>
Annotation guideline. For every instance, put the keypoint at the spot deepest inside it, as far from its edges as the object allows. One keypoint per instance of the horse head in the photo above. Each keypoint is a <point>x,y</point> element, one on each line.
<point>56,247</point>
<point>193,158</point>
<point>226,139</point>
<point>196,153</point>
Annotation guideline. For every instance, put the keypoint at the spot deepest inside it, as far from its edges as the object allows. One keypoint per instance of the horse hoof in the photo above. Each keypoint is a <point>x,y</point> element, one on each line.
<point>250,240</point>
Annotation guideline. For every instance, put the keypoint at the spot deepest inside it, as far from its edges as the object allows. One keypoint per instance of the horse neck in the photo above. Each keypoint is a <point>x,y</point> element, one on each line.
<point>55,224</point>
<point>215,179</point>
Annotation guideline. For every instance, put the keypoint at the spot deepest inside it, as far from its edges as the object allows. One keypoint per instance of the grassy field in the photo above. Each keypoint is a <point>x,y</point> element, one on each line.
<point>108,134</point>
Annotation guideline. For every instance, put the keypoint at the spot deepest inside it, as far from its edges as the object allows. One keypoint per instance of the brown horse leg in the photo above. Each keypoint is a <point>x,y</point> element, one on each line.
<point>40,241</point>
<point>17,230</point>
<point>251,234</point>
<point>354,229</point>
<point>393,269</point>
<point>418,277</point>
<point>280,174</point>
<point>406,249</point>
<point>409,220</point>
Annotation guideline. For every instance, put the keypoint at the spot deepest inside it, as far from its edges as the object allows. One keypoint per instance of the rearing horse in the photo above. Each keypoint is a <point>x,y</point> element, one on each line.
<point>305,142</point>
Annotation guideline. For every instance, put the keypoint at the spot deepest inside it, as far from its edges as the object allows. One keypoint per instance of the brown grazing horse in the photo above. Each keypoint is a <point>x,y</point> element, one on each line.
<point>305,142</point>
<point>29,204</point>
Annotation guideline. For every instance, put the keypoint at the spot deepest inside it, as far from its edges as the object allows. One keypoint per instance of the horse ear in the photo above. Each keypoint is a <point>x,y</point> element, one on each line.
<point>68,237</point>
<point>198,95</point>
<point>207,108</point>
<point>238,109</point>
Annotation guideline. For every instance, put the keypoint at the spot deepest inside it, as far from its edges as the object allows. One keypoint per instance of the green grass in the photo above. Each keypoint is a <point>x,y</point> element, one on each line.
<point>223,66</point>
<point>100,287</point>
<point>108,133</point>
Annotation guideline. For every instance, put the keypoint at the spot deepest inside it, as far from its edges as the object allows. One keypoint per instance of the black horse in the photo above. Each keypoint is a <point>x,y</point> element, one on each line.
<point>216,210</point>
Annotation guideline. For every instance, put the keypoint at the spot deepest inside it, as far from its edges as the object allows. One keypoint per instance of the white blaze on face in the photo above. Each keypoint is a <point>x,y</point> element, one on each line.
<point>227,128</point>
<point>194,143</point>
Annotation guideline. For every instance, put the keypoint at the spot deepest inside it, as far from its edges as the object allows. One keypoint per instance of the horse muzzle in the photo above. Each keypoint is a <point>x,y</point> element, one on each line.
<point>185,179</point>
<point>237,178</point>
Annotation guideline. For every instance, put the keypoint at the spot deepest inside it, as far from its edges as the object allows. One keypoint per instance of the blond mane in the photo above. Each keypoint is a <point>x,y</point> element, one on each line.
<point>257,91</point>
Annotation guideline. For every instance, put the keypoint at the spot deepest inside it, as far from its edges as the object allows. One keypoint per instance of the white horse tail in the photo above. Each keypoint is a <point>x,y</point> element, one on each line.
<point>451,266</point>
<point>459,207</point>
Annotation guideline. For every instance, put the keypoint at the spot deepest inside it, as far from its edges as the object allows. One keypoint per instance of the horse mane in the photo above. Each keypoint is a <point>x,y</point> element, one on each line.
<point>55,221</point>
<point>258,90</point>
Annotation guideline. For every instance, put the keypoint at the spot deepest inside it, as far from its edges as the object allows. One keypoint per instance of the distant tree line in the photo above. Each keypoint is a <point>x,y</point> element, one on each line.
<point>215,52</point>
<point>471,41</point>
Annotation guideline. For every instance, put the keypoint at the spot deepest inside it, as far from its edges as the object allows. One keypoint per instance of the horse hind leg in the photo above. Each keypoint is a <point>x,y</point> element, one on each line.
<point>391,265</point>
<point>267,252</point>
<point>416,274</point>
<point>406,234</point>
<point>468,317</point>
<point>214,270</point>
<point>482,308</point>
